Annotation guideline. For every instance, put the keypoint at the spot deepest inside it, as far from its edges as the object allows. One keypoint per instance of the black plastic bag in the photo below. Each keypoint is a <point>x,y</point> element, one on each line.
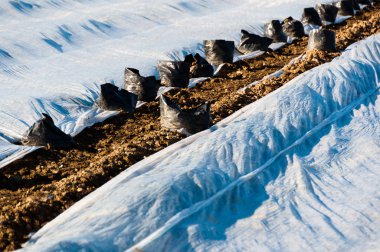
<point>44,132</point>
<point>355,5</point>
<point>345,8</point>
<point>145,88</point>
<point>273,30</point>
<point>174,73</point>
<point>199,66</point>
<point>113,98</point>
<point>327,12</point>
<point>322,40</point>
<point>364,2</point>
<point>191,120</point>
<point>311,16</point>
<point>251,42</point>
<point>219,51</point>
<point>293,28</point>
<point>189,59</point>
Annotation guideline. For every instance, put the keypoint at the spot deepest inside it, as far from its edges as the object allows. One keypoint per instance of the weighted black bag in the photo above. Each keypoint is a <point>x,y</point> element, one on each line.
<point>174,73</point>
<point>355,5</point>
<point>145,88</point>
<point>273,30</point>
<point>113,98</point>
<point>322,40</point>
<point>189,59</point>
<point>364,2</point>
<point>293,28</point>
<point>327,12</point>
<point>219,51</point>
<point>345,8</point>
<point>199,66</point>
<point>192,120</point>
<point>44,132</point>
<point>311,16</point>
<point>250,42</point>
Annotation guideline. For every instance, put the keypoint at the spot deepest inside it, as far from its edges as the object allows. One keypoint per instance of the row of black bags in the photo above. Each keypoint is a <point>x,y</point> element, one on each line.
<point>178,74</point>
<point>45,133</point>
<point>172,116</point>
<point>217,52</point>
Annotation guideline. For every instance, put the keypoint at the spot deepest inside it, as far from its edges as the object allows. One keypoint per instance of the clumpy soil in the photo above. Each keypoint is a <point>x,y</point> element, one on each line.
<point>36,189</point>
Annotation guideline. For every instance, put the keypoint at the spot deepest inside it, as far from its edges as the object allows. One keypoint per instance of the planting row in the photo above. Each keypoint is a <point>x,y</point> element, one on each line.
<point>177,74</point>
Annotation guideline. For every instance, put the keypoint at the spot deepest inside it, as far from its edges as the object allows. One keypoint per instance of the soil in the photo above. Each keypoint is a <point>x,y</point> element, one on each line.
<point>42,185</point>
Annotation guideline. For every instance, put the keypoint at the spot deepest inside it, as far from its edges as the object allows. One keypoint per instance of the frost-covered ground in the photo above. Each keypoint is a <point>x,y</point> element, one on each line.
<point>54,54</point>
<point>295,171</point>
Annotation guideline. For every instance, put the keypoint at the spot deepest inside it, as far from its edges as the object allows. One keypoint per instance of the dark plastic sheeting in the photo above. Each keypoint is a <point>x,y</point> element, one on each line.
<point>293,28</point>
<point>327,12</point>
<point>219,51</point>
<point>345,8</point>
<point>322,40</point>
<point>174,73</point>
<point>364,2</point>
<point>113,98</point>
<point>192,120</point>
<point>311,16</point>
<point>273,30</point>
<point>250,42</point>
<point>145,88</point>
<point>44,132</point>
<point>199,66</point>
<point>355,5</point>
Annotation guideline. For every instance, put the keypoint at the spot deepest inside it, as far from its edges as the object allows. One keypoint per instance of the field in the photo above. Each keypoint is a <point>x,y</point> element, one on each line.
<point>288,164</point>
